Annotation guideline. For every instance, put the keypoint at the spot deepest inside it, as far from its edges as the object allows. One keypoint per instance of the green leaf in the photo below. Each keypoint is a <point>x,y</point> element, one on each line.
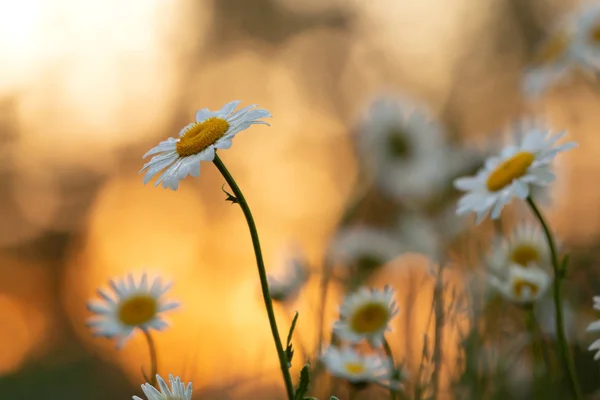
<point>230,197</point>
<point>303,385</point>
<point>289,351</point>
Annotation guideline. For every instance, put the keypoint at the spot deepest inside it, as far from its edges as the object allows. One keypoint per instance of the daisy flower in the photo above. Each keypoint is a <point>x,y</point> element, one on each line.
<point>586,38</point>
<point>419,234</point>
<point>522,285</point>
<point>364,247</point>
<point>595,327</point>
<point>553,61</point>
<point>357,368</point>
<point>520,166</point>
<point>287,287</point>
<point>178,390</point>
<point>198,141</point>
<point>132,306</point>
<point>403,148</point>
<point>366,314</point>
<point>526,246</point>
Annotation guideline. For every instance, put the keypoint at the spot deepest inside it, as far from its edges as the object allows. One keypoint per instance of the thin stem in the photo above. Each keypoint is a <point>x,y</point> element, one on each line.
<point>283,363</point>
<point>439,324</point>
<point>560,328</point>
<point>153,358</point>
<point>388,352</point>
<point>536,351</point>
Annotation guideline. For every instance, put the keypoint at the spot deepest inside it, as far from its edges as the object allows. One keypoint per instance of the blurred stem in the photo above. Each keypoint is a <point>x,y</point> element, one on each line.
<point>439,324</point>
<point>388,352</point>
<point>153,358</point>
<point>557,294</point>
<point>239,198</point>
<point>536,351</point>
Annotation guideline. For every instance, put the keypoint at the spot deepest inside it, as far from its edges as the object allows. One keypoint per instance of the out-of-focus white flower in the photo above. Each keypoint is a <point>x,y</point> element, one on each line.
<point>595,327</point>
<point>364,247</point>
<point>520,166</point>
<point>419,234</point>
<point>178,390</point>
<point>366,314</point>
<point>198,141</point>
<point>526,246</point>
<point>586,37</point>
<point>133,306</point>
<point>403,148</point>
<point>357,368</point>
<point>522,285</point>
<point>286,287</point>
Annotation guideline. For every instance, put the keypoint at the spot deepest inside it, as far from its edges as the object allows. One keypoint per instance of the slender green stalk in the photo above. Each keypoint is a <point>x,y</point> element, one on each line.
<point>289,386</point>
<point>536,351</point>
<point>388,352</point>
<point>557,293</point>
<point>438,293</point>
<point>153,358</point>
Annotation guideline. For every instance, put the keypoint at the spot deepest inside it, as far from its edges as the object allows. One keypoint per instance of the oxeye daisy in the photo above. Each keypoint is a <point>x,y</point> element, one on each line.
<point>522,285</point>
<point>586,38</point>
<point>178,390</point>
<point>520,166</point>
<point>552,61</point>
<point>402,147</point>
<point>132,306</point>
<point>287,287</point>
<point>198,141</point>
<point>366,314</point>
<point>595,327</point>
<point>526,246</point>
<point>357,368</point>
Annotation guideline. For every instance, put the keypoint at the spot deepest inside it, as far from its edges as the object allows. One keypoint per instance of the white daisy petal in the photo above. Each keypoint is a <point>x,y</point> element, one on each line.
<point>177,391</point>
<point>522,285</point>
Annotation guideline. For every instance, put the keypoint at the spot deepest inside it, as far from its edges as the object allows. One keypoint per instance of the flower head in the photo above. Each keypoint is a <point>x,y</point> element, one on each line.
<point>198,141</point>
<point>366,314</point>
<point>133,306</point>
<point>586,37</point>
<point>287,287</point>
<point>403,148</point>
<point>595,327</point>
<point>512,174</point>
<point>522,285</point>
<point>525,247</point>
<point>178,390</point>
<point>357,368</point>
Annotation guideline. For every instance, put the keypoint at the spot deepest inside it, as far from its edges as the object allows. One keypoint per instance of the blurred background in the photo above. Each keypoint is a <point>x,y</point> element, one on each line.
<point>87,87</point>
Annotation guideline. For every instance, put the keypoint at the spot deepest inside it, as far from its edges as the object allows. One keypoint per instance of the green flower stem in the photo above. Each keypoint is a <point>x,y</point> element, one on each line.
<point>388,352</point>
<point>536,351</point>
<point>560,325</point>
<point>283,363</point>
<point>153,358</point>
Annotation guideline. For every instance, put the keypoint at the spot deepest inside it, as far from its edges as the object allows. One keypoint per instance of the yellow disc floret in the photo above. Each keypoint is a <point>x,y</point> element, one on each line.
<point>137,310</point>
<point>552,50</point>
<point>595,34</point>
<point>519,285</point>
<point>355,368</point>
<point>509,170</point>
<point>525,254</point>
<point>200,135</point>
<point>369,318</point>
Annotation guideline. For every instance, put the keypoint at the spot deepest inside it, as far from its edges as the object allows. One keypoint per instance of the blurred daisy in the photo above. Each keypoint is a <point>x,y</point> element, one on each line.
<point>526,246</point>
<point>357,368</point>
<point>595,327</point>
<point>364,247</point>
<point>553,60</point>
<point>198,141</point>
<point>512,174</point>
<point>522,285</point>
<point>178,390</point>
<point>403,148</point>
<point>132,306</point>
<point>586,38</point>
<point>287,287</point>
<point>366,314</point>
<point>419,234</point>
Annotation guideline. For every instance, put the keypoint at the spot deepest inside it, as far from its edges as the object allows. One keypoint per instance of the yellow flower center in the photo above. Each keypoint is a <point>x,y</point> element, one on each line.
<point>525,254</point>
<point>355,367</point>
<point>595,34</point>
<point>552,50</point>
<point>509,170</point>
<point>369,318</point>
<point>137,310</point>
<point>200,135</point>
<point>520,285</point>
